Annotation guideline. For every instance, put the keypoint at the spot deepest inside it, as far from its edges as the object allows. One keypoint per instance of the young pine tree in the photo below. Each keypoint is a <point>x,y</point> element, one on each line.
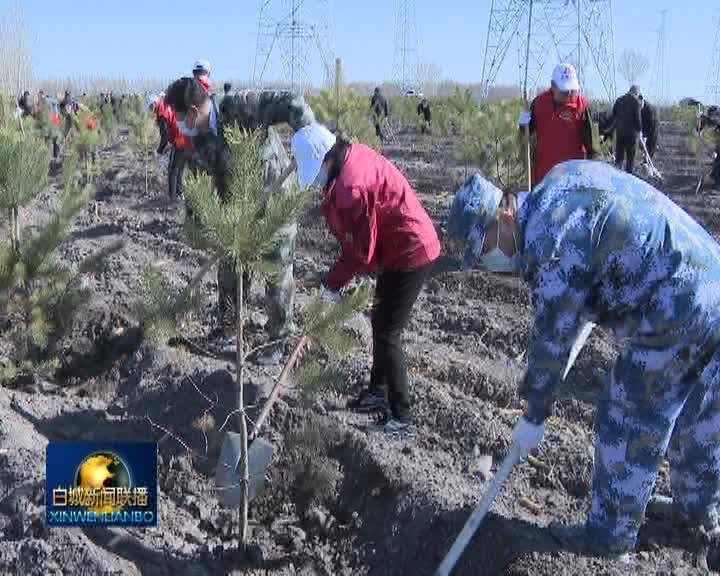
<point>345,110</point>
<point>87,137</point>
<point>39,295</point>
<point>491,140</point>
<point>244,227</point>
<point>142,139</point>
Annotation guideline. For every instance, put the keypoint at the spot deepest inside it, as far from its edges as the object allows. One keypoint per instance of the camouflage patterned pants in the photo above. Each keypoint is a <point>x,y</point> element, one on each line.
<point>279,292</point>
<point>664,395</point>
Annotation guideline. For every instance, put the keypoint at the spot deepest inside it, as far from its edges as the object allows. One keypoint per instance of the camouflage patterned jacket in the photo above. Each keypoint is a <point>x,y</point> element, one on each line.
<point>251,109</point>
<point>601,245</point>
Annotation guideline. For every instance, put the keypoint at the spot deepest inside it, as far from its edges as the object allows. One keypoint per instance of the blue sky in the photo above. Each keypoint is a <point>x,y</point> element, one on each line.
<point>161,38</point>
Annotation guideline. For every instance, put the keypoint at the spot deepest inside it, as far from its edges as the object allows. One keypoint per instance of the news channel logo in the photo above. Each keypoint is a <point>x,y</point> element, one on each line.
<point>101,484</point>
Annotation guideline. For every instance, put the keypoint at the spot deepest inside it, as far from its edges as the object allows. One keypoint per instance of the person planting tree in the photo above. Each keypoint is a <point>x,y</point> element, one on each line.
<point>628,124</point>
<point>596,244</point>
<point>382,227</point>
<point>423,110</point>
<point>380,112</point>
<point>560,118</point>
<point>199,120</point>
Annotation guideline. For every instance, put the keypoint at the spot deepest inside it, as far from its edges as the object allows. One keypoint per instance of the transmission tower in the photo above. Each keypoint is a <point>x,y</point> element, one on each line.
<point>547,32</point>
<point>296,35</point>
<point>658,75</point>
<point>406,57</point>
<point>712,89</point>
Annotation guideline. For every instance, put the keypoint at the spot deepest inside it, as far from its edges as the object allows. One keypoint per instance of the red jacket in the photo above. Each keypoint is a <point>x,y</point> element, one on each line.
<point>376,216</point>
<point>175,136</point>
<point>560,130</point>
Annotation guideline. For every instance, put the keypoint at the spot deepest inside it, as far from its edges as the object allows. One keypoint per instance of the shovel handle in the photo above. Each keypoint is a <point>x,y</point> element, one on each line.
<point>279,385</point>
<point>473,523</point>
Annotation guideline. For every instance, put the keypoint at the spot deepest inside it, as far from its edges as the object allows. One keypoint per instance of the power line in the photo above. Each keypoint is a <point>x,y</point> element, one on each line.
<point>547,32</point>
<point>712,89</point>
<point>293,38</point>
<point>406,57</point>
<point>658,77</point>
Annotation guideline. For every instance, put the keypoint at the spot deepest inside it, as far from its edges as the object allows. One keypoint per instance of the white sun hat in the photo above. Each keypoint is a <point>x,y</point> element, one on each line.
<point>201,66</point>
<point>309,145</point>
<point>565,78</point>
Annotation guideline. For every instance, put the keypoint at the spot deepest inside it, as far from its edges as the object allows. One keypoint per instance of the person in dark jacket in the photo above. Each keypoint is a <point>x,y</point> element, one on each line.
<point>382,227</point>
<point>25,104</point>
<point>650,126</point>
<point>227,105</point>
<point>424,111</point>
<point>379,107</point>
<point>627,118</point>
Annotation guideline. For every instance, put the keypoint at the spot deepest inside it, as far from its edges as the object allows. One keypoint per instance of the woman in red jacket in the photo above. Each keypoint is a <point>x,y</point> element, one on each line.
<point>376,216</point>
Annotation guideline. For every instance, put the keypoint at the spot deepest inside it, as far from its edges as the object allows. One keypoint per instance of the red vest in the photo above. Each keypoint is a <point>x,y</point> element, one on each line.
<point>559,129</point>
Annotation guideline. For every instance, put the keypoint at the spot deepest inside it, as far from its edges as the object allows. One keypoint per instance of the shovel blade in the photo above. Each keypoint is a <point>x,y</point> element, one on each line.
<point>228,479</point>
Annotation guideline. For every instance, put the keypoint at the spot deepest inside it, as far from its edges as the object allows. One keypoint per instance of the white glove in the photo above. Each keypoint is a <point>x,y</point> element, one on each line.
<point>527,436</point>
<point>524,118</point>
<point>329,296</point>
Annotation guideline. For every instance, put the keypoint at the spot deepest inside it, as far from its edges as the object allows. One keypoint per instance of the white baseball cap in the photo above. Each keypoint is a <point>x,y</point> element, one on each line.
<point>309,145</point>
<point>201,66</point>
<point>565,78</point>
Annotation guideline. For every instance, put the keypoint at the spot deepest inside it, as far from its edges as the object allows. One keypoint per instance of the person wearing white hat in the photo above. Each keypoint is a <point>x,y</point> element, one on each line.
<point>382,227</point>
<point>561,120</point>
<point>201,72</point>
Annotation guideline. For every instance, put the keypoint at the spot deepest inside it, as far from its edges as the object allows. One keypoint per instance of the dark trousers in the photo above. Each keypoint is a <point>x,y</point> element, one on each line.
<point>625,147</point>
<point>176,169</point>
<point>395,295</point>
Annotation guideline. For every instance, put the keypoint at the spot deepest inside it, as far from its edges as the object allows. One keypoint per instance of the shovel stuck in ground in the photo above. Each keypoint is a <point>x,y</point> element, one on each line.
<point>228,482</point>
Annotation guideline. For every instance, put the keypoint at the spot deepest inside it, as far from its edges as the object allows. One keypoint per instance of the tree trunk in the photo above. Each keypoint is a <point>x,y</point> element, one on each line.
<point>146,176</point>
<point>15,229</point>
<point>240,360</point>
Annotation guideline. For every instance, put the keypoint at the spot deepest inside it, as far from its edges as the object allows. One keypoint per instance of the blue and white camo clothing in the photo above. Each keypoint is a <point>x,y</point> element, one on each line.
<point>601,245</point>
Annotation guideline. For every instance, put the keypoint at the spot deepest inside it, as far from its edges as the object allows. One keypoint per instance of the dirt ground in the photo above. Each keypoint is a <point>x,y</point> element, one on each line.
<point>341,498</point>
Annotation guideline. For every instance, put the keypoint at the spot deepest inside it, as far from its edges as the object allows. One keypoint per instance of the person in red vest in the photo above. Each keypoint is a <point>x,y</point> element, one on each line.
<point>382,227</point>
<point>560,117</point>
<point>201,72</point>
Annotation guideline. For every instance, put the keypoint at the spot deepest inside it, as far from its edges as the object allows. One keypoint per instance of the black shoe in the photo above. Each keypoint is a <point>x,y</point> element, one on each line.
<point>368,401</point>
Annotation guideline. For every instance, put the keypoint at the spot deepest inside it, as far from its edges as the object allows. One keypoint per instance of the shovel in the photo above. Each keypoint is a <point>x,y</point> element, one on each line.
<point>228,481</point>
<point>473,523</point>
<point>652,170</point>
<point>513,457</point>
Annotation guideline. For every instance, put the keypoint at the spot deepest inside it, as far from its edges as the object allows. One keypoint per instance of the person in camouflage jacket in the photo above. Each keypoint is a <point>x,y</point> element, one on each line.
<point>599,245</point>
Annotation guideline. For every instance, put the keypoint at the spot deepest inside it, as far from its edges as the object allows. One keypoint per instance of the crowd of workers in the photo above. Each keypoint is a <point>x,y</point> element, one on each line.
<point>595,245</point>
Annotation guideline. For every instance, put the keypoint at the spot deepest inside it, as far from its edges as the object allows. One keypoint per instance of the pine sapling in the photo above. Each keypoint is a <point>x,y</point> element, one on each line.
<point>39,295</point>
<point>87,137</point>
<point>142,139</point>
<point>244,228</point>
